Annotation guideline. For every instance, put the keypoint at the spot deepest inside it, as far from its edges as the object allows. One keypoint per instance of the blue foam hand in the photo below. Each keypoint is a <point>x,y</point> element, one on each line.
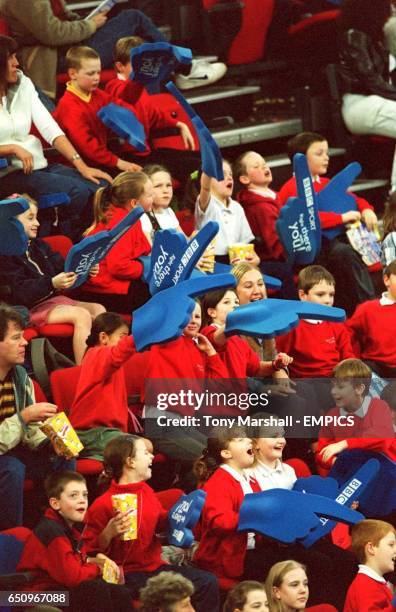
<point>183,517</point>
<point>212,162</point>
<point>167,313</point>
<point>298,224</point>
<point>349,492</point>
<point>153,63</point>
<point>49,200</point>
<point>13,239</point>
<point>335,197</point>
<point>270,318</point>
<point>92,249</point>
<point>288,516</point>
<point>173,257</point>
<point>3,163</point>
<point>123,122</point>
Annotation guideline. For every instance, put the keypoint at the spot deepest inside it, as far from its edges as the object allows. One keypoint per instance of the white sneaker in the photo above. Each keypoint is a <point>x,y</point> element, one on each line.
<point>202,73</point>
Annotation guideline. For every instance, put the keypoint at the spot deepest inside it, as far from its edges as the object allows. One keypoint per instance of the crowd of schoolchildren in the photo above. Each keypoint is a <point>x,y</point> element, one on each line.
<point>319,367</point>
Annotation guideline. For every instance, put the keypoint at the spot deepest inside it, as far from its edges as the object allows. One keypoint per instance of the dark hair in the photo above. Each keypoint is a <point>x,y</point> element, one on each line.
<point>163,591</point>
<point>301,142</point>
<point>9,315</point>
<point>210,300</point>
<point>8,46</point>
<point>366,16</point>
<point>218,440</point>
<point>389,217</point>
<point>115,454</point>
<point>310,276</point>
<point>390,268</point>
<point>237,597</point>
<point>107,322</point>
<point>56,482</point>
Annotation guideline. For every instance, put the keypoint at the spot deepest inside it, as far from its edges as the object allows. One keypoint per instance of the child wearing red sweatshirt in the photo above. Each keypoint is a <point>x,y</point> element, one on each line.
<point>56,555</point>
<point>351,274</point>
<point>374,544</point>
<point>373,328</point>
<point>367,422</point>
<point>128,466</point>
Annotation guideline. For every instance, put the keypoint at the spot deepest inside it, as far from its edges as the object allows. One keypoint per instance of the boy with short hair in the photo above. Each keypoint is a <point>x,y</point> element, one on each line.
<point>351,274</point>
<point>373,328</point>
<point>370,424</point>
<point>316,346</point>
<point>374,544</point>
<point>55,552</point>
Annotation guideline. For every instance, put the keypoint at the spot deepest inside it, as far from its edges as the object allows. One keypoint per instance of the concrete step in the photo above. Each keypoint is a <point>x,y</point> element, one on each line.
<point>245,134</point>
<point>203,95</point>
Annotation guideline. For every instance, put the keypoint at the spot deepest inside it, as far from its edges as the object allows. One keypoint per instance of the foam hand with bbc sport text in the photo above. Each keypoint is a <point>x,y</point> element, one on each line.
<point>269,318</point>
<point>298,224</point>
<point>167,313</point>
<point>153,63</point>
<point>183,517</point>
<point>288,516</point>
<point>13,238</point>
<point>212,161</point>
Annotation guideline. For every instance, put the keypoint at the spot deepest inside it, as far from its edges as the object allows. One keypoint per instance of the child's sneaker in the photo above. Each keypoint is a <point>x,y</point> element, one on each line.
<point>201,73</point>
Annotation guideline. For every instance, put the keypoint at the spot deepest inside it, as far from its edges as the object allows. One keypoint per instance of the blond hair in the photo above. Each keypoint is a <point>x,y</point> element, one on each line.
<point>354,371</point>
<point>124,46</point>
<point>275,577</point>
<point>76,55</point>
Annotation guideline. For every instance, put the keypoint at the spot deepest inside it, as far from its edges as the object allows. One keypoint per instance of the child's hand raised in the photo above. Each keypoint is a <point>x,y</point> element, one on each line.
<point>204,345</point>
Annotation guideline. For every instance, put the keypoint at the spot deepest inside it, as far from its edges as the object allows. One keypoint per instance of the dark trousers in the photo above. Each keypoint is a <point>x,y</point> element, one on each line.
<point>99,596</point>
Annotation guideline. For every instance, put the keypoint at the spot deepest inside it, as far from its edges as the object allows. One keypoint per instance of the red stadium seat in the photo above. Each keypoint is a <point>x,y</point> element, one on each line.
<point>60,244</point>
<point>186,220</point>
<point>4,29</point>
<point>29,333</point>
<point>64,384</point>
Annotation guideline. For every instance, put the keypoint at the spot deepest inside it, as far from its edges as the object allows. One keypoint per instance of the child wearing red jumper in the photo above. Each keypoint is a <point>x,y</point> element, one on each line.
<point>373,328</point>
<point>56,555</point>
<point>374,544</point>
<point>100,408</point>
<point>351,274</point>
<point>128,463</point>
<point>367,422</point>
<point>118,282</point>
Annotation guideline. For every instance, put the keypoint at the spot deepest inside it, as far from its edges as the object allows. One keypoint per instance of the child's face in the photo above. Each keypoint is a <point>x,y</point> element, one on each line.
<point>256,601</point>
<point>142,460</point>
<point>257,172</point>
<point>385,554</point>
<point>293,591</point>
<point>269,450</point>
<point>162,189</point>
<point>113,338</point>
<point>87,77</point>
<point>390,284</point>
<point>147,197</point>
<point>239,453</point>
<point>195,323</point>
<point>223,189</point>
<point>251,287</point>
<point>73,502</point>
<point>124,69</point>
<point>318,158</point>
<point>321,293</point>
<point>227,304</point>
<point>346,395</point>
<point>29,221</point>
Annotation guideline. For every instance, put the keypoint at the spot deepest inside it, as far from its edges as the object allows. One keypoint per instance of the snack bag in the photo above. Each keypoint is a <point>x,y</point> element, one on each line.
<point>122,503</point>
<point>62,435</point>
<point>109,574</point>
<point>240,250</point>
<point>207,261</point>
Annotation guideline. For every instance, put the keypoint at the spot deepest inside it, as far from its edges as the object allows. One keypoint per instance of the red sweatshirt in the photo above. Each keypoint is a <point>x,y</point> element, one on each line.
<point>316,348</point>
<point>373,330</point>
<point>54,555</point>
<point>221,548</point>
<point>368,595</point>
<point>327,219</point>
<point>101,397</point>
<point>372,432</point>
<point>146,108</point>
<point>262,213</point>
<point>239,359</point>
<point>120,265</point>
<point>142,554</point>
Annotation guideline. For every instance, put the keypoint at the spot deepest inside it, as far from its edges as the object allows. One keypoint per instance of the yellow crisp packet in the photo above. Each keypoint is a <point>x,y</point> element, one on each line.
<point>240,250</point>
<point>124,502</point>
<point>62,435</point>
<point>109,574</point>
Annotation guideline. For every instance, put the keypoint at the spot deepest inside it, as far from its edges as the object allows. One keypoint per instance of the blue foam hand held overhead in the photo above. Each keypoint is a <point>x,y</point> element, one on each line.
<point>288,516</point>
<point>167,313</point>
<point>152,63</point>
<point>173,256</point>
<point>13,238</point>
<point>92,249</point>
<point>212,162</point>
<point>271,317</point>
<point>123,122</point>
<point>335,197</point>
<point>49,200</point>
<point>183,517</point>
<point>351,491</point>
<point>298,225</point>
